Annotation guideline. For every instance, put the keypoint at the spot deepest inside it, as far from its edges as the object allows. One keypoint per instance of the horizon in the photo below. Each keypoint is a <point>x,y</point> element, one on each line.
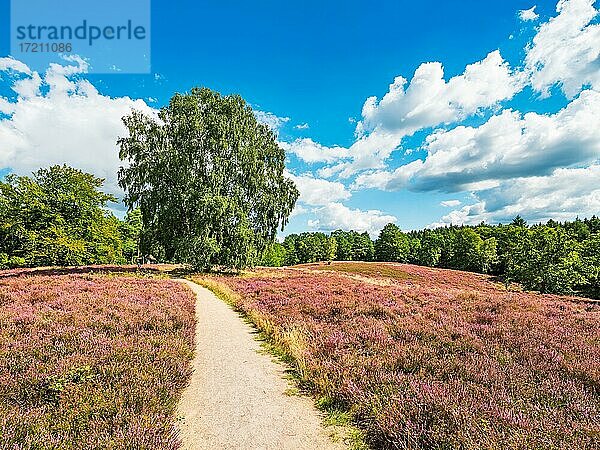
<point>420,115</point>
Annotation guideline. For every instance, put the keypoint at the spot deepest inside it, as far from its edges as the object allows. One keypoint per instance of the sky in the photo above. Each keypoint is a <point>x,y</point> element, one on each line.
<point>418,113</point>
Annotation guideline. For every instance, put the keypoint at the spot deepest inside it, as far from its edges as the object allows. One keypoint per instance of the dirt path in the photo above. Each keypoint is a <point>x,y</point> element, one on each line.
<point>236,398</point>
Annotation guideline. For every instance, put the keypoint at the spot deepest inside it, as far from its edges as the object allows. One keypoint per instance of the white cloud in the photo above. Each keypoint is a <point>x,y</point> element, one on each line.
<point>508,145</point>
<point>562,195</point>
<point>271,120</point>
<point>527,15</point>
<point>566,50</point>
<point>338,216</point>
<point>450,203</point>
<point>312,152</point>
<point>368,152</point>
<point>316,191</point>
<point>427,101</point>
<point>540,166</point>
<point>10,63</point>
<point>298,210</point>
<point>388,181</point>
<point>70,122</point>
<point>28,87</point>
<point>322,200</point>
<point>302,126</point>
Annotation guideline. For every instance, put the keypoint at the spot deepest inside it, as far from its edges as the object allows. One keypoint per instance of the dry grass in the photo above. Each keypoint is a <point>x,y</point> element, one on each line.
<point>92,361</point>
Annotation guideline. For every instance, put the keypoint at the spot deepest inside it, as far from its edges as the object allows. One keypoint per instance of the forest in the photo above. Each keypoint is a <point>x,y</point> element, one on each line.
<point>551,257</point>
<point>59,217</point>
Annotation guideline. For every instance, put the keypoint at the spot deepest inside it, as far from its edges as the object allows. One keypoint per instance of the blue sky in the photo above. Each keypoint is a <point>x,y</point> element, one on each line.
<point>314,64</point>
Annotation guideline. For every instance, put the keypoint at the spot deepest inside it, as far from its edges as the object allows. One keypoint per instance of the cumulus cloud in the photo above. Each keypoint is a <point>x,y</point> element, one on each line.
<point>302,126</point>
<point>316,191</point>
<point>298,210</point>
<point>10,63</point>
<point>429,100</point>
<point>386,180</point>
<point>537,165</point>
<point>68,122</point>
<point>508,145</point>
<point>426,101</point>
<point>271,120</point>
<point>566,50</point>
<point>335,216</point>
<point>368,152</point>
<point>527,15</point>
<point>312,152</point>
<point>322,200</point>
<point>450,203</point>
<point>562,195</point>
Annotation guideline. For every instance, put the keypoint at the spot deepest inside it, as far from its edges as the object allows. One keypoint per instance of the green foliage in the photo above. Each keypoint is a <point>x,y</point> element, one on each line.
<point>428,250</point>
<point>392,244</point>
<point>555,257</point>
<point>488,254</point>
<point>547,260</point>
<point>130,230</point>
<point>353,246</point>
<point>593,224</point>
<point>518,221</point>
<point>590,256</point>
<point>289,245</point>
<point>52,387</point>
<point>464,250</point>
<point>57,217</point>
<point>363,248</point>
<point>468,251</point>
<point>208,179</point>
<point>308,248</point>
<point>274,255</point>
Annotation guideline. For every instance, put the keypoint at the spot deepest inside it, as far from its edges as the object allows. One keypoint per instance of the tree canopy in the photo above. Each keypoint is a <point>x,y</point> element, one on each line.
<point>57,217</point>
<point>562,258</point>
<point>208,179</point>
<point>392,244</point>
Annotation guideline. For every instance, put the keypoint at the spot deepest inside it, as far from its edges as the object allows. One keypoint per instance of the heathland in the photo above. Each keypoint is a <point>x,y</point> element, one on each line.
<point>92,359</point>
<point>430,358</point>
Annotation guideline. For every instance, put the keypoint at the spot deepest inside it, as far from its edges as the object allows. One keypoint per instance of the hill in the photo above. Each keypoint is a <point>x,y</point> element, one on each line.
<point>432,358</point>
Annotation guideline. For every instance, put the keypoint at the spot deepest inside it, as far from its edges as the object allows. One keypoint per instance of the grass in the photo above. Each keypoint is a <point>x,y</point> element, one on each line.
<point>435,359</point>
<point>89,360</point>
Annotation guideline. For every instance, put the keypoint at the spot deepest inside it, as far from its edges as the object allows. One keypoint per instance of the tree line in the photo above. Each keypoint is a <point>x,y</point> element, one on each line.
<point>205,185</point>
<point>554,257</point>
<point>59,217</point>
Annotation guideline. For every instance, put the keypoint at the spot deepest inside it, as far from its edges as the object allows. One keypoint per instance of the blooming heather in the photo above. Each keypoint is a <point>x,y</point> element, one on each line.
<point>431,358</point>
<point>90,361</point>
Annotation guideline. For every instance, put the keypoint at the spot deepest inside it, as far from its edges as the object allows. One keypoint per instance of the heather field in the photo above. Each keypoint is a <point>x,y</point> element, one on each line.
<point>424,358</point>
<point>92,360</point>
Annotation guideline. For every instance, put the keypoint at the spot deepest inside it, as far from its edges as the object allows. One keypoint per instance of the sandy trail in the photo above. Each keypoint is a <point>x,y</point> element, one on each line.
<point>236,398</point>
